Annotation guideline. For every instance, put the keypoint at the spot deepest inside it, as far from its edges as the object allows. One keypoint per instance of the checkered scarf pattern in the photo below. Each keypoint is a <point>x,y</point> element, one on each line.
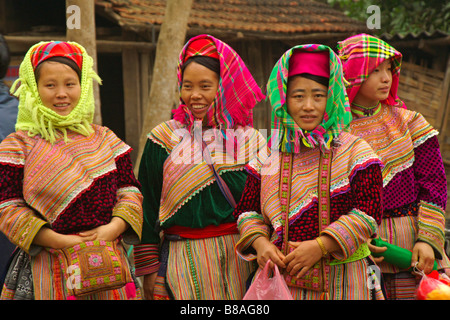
<point>286,134</point>
<point>56,49</point>
<point>360,55</point>
<point>238,91</point>
<point>201,47</point>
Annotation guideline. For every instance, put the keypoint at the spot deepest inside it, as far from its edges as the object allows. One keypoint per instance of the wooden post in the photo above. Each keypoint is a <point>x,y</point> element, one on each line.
<point>163,95</point>
<point>132,99</point>
<point>80,17</point>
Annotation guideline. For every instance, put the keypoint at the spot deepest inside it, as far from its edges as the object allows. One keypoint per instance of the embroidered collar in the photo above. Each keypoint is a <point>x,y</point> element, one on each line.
<point>360,110</point>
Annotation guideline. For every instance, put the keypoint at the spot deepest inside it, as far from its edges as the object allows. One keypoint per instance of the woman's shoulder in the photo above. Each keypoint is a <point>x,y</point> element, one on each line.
<point>20,137</point>
<point>168,134</point>
<point>16,146</point>
<point>354,145</point>
<point>108,136</point>
<point>166,128</point>
<point>403,113</point>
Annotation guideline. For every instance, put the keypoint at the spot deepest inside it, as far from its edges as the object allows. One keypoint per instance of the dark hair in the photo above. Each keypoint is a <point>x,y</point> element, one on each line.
<point>319,79</point>
<point>212,64</point>
<point>4,57</point>
<point>63,60</point>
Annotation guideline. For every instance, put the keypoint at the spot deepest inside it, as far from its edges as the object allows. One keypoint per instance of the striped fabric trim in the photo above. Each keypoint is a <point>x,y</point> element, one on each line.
<point>350,281</point>
<point>350,231</point>
<point>351,156</point>
<point>400,231</point>
<point>129,208</point>
<point>403,232</point>
<point>431,224</point>
<point>167,134</point>
<point>146,259</point>
<point>57,174</point>
<point>393,134</point>
<point>186,172</point>
<point>207,269</point>
<point>21,224</point>
<point>251,225</point>
<point>401,286</point>
<point>49,188</point>
<point>15,148</point>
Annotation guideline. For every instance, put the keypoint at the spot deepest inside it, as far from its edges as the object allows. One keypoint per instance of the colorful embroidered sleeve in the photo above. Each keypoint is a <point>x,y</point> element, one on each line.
<point>250,221</point>
<point>431,183</point>
<point>431,223</point>
<point>429,173</point>
<point>353,229</point>
<point>17,220</point>
<point>129,199</point>
<point>431,180</point>
<point>146,254</point>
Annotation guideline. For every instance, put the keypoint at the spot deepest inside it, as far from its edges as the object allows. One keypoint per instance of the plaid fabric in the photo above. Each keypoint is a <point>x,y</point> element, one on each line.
<point>360,55</point>
<point>202,47</point>
<point>56,49</point>
<point>238,91</point>
<point>337,115</point>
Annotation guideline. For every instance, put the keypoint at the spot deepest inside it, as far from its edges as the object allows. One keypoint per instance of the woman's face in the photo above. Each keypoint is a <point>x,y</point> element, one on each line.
<point>376,87</point>
<point>306,102</point>
<point>58,87</point>
<point>199,88</point>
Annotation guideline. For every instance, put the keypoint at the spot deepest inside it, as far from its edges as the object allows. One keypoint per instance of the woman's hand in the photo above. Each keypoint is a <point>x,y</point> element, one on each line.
<point>375,249</point>
<point>303,257</point>
<point>107,232</point>
<point>307,253</point>
<point>48,238</point>
<point>149,285</point>
<point>423,254</point>
<point>266,250</point>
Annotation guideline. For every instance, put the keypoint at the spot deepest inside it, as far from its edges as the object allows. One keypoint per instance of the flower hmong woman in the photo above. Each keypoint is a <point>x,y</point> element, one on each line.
<point>193,179</point>
<point>64,182</point>
<point>320,187</point>
<point>414,181</point>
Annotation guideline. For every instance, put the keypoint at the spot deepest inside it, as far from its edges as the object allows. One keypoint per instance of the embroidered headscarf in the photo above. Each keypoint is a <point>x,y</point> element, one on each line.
<point>360,55</point>
<point>238,91</point>
<point>33,116</point>
<point>285,132</point>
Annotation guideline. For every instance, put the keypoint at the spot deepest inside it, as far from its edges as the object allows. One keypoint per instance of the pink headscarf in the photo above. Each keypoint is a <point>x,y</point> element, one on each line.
<point>315,63</point>
<point>238,91</point>
<point>360,55</point>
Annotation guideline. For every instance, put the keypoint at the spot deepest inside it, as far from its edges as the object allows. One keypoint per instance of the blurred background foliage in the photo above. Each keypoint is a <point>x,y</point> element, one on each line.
<point>400,16</point>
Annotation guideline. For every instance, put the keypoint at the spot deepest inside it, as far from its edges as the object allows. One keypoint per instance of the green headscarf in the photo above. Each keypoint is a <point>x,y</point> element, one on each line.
<point>337,115</point>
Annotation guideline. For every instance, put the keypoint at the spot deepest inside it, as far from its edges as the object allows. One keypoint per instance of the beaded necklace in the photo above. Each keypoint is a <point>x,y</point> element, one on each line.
<point>365,111</point>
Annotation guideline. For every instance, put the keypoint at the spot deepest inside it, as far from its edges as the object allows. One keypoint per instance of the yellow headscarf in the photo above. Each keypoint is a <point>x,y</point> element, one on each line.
<point>34,117</point>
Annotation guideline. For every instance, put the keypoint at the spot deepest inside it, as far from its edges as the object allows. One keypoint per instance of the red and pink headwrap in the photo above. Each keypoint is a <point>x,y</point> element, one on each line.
<point>360,55</point>
<point>56,49</point>
<point>238,91</point>
<point>202,47</point>
<point>312,62</point>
